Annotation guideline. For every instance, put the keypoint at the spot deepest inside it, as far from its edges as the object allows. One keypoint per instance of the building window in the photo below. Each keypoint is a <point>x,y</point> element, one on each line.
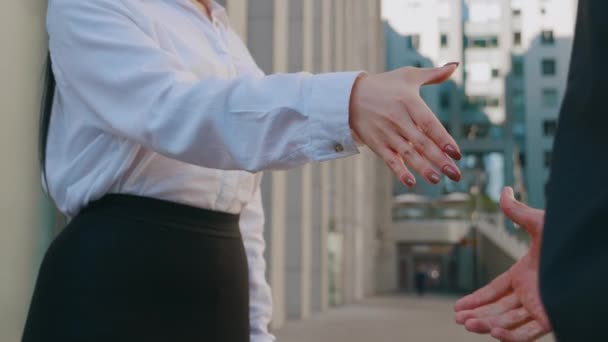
<point>549,128</point>
<point>548,66</point>
<point>517,38</point>
<point>517,12</point>
<point>547,159</point>
<point>517,99</point>
<point>518,67</point>
<point>495,73</point>
<point>444,100</point>
<point>476,102</point>
<point>414,42</point>
<point>444,40</point>
<point>550,97</point>
<point>476,131</point>
<point>547,37</point>
<point>481,42</point>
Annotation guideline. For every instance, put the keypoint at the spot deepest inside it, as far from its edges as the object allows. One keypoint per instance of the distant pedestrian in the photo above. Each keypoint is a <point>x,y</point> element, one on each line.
<point>420,281</point>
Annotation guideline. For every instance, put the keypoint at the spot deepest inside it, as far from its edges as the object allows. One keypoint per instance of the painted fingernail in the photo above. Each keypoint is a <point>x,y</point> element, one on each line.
<point>451,172</point>
<point>409,181</point>
<point>452,151</point>
<point>452,63</point>
<point>434,177</point>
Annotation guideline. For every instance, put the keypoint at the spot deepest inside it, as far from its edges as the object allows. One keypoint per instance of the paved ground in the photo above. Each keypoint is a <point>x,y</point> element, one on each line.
<point>387,319</point>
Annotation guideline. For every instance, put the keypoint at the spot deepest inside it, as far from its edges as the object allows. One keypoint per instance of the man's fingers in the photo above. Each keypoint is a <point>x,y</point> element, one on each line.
<point>528,218</point>
<point>490,293</point>
<point>505,304</point>
<point>396,165</point>
<point>427,76</point>
<point>510,319</point>
<point>428,149</point>
<point>528,332</point>
<point>428,123</point>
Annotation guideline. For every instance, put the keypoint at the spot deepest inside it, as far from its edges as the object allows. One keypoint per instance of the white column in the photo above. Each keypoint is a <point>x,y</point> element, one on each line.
<point>238,12</point>
<point>279,178</point>
<point>339,36</point>
<point>306,242</point>
<point>306,292</point>
<point>328,35</point>
<point>27,217</point>
<point>276,222</point>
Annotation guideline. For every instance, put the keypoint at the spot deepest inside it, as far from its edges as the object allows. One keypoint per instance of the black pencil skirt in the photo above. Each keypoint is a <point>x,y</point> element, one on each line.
<point>130,268</point>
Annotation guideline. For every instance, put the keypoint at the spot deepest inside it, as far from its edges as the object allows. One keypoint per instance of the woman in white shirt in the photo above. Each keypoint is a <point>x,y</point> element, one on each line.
<point>160,122</point>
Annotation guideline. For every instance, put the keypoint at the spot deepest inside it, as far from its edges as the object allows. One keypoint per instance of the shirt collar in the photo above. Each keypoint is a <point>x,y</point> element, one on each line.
<point>218,12</point>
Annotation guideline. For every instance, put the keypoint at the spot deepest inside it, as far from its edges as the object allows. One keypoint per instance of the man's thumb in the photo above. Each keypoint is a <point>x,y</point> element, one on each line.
<point>528,218</point>
<point>438,75</point>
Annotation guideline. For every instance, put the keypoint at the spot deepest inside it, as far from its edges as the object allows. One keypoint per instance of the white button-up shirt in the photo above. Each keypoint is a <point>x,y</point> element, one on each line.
<point>155,99</point>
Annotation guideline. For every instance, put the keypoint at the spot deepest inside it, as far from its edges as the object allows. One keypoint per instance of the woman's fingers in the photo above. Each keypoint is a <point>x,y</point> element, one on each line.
<point>413,159</point>
<point>424,118</point>
<point>428,149</point>
<point>395,164</point>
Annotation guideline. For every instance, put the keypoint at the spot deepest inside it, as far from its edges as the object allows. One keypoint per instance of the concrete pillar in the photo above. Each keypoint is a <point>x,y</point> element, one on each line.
<point>299,196</point>
<point>325,213</point>
<point>339,44</point>
<point>386,260</point>
<point>328,36</point>
<point>27,216</point>
<point>274,197</point>
<point>317,238</point>
<point>298,243</point>
<point>308,39</point>
<point>312,19</point>
<point>267,40</point>
<point>238,12</point>
<point>346,178</point>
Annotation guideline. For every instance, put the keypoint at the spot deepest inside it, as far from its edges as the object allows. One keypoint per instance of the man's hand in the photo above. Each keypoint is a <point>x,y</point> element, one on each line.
<point>510,307</point>
<point>389,116</point>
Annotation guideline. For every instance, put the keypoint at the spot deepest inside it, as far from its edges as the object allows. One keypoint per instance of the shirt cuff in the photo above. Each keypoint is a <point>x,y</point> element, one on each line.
<point>328,110</point>
<point>262,338</point>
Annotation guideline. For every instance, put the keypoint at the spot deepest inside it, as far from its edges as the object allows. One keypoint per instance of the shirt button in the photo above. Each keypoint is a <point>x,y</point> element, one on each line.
<point>339,148</point>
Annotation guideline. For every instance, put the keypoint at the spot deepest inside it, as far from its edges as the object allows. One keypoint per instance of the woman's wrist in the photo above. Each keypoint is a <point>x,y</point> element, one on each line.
<point>352,109</point>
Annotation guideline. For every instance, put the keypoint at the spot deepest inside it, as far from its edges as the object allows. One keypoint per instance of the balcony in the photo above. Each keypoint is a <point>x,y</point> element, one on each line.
<point>444,220</point>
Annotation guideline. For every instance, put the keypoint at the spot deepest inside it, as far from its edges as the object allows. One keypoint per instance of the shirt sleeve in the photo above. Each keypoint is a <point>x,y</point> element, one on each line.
<point>128,86</point>
<point>260,297</point>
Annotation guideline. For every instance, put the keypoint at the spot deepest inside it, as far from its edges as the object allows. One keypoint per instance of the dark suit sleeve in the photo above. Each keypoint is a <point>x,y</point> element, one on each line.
<point>574,262</point>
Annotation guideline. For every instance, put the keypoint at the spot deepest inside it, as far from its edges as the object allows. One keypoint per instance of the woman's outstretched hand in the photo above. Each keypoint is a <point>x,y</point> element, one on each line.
<point>510,307</point>
<point>389,116</point>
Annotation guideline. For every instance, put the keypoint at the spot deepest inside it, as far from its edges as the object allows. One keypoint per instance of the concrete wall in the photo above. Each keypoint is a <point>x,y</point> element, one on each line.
<point>27,218</point>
